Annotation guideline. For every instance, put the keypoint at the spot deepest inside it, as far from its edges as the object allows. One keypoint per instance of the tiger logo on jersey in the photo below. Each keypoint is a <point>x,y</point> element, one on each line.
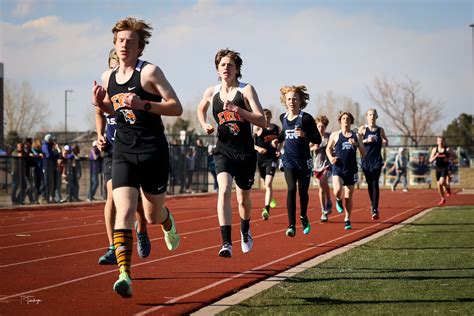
<point>129,116</point>
<point>233,128</point>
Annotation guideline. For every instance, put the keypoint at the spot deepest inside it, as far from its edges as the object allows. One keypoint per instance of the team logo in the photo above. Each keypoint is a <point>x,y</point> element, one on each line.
<point>346,146</point>
<point>290,134</point>
<point>129,116</point>
<point>233,128</point>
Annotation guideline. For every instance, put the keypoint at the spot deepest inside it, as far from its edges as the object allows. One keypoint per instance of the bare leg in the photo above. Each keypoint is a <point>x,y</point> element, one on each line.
<point>224,208</point>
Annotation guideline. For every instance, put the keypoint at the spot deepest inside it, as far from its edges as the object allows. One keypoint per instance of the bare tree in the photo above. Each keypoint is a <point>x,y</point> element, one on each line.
<point>409,112</point>
<point>24,111</point>
<point>330,105</point>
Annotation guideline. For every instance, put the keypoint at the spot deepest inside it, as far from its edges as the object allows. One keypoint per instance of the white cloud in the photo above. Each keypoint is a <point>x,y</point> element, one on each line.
<point>317,47</point>
<point>23,8</point>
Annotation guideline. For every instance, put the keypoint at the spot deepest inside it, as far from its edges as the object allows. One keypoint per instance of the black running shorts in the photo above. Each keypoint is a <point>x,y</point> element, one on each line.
<point>107,168</point>
<point>266,168</point>
<point>240,166</point>
<point>150,171</point>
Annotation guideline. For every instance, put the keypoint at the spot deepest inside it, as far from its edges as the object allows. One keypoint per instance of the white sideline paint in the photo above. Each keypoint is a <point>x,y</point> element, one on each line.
<point>6,298</point>
<point>174,300</point>
<point>246,293</point>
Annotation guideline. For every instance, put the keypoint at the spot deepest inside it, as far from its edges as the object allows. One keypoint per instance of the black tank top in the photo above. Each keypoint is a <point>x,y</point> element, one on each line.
<point>442,161</point>
<point>264,140</point>
<point>234,133</point>
<point>137,131</point>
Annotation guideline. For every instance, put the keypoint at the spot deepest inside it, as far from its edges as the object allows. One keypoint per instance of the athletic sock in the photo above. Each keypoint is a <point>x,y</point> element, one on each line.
<point>112,247</point>
<point>226,231</point>
<point>267,207</point>
<point>166,224</point>
<point>244,225</point>
<point>123,243</point>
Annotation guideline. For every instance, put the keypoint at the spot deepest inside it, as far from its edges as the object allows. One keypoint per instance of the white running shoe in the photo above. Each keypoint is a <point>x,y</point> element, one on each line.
<point>246,242</point>
<point>226,251</point>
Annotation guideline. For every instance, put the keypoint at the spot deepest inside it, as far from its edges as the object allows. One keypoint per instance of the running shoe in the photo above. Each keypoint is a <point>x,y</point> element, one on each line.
<point>226,250</point>
<point>339,206</point>
<point>123,286</point>
<point>375,214</point>
<point>171,236</point>
<point>324,217</point>
<point>246,242</point>
<point>442,202</point>
<point>108,258</point>
<point>291,231</point>
<point>306,226</point>
<point>265,214</point>
<point>328,207</point>
<point>347,225</point>
<point>405,190</point>
<point>273,203</point>
<point>143,243</point>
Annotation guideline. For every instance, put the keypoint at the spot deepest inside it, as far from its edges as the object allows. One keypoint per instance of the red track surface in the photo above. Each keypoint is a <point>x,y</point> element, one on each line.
<point>48,257</point>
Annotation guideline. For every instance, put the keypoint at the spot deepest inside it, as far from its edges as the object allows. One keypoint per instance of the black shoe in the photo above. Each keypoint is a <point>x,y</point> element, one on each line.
<point>375,214</point>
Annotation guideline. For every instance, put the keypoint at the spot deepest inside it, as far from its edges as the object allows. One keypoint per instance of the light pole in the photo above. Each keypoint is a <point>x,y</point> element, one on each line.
<point>65,113</point>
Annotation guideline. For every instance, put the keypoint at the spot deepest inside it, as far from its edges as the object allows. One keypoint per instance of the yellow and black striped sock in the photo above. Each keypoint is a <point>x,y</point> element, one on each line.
<point>123,242</point>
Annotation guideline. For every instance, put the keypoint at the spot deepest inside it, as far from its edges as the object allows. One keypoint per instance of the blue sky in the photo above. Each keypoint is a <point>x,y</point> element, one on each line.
<point>338,46</point>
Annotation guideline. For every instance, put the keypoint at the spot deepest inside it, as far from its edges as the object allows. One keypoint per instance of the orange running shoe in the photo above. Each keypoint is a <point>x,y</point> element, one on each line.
<point>442,202</point>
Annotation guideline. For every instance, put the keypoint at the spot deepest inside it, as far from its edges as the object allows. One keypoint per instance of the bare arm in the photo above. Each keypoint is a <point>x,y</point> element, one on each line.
<point>202,110</point>
<point>361,131</point>
<point>100,97</point>
<point>433,155</point>
<point>330,147</point>
<point>100,128</point>
<point>360,146</point>
<point>384,137</point>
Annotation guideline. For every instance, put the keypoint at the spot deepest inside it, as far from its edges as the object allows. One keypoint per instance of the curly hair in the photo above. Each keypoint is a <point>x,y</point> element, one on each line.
<point>235,56</point>
<point>300,90</point>
<point>140,27</point>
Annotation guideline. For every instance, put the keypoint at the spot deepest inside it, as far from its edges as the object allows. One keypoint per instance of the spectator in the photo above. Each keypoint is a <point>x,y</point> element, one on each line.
<point>95,170</point>
<point>212,167</point>
<point>76,172</point>
<point>400,166</point>
<point>29,171</point>
<point>38,170</point>
<point>18,174</point>
<point>190,167</point>
<point>50,158</point>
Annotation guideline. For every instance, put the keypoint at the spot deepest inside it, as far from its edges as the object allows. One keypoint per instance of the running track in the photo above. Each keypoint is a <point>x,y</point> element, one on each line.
<point>48,257</point>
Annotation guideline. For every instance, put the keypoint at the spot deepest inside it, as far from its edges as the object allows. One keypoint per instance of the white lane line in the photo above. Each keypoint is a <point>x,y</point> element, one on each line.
<point>251,271</point>
<point>76,226</point>
<point>96,249</point>
<point>7,297</point>
<point>259,287</point>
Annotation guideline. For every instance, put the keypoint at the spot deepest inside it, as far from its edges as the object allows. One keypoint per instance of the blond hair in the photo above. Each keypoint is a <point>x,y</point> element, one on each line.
<point>300,90</point>
<point>322,119</point>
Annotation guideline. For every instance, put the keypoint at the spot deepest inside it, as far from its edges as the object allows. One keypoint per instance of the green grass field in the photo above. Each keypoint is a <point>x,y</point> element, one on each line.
<point>424,268</point>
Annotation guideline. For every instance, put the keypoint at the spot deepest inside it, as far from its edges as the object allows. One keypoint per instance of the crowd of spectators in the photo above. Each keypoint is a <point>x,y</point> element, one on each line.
<point>43,172</point>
